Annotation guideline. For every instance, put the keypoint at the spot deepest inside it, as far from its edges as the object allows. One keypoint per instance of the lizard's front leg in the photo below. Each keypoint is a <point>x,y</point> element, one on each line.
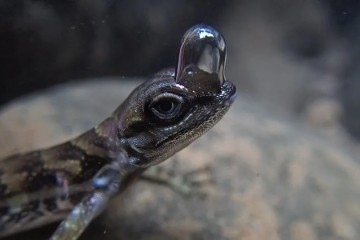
<point>106,183</point>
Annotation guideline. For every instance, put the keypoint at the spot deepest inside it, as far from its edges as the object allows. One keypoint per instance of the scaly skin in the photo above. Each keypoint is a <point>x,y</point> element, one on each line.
<point>75,180</point>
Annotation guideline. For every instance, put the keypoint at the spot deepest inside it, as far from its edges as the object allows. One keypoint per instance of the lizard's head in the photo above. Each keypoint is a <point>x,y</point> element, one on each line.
<point>165,114</point>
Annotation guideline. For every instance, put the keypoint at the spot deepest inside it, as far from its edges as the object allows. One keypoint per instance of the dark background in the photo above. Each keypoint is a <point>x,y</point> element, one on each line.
<point>48,42</point>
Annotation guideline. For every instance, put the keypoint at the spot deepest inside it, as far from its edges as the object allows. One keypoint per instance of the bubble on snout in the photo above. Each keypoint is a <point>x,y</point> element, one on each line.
<point>202,59</point>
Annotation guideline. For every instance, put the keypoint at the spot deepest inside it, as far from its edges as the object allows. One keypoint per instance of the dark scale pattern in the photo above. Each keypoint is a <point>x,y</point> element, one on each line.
<point>8,217</point>
<point>26,213</point>
<point>43,175</point>
<point>89,167</point>
<point>22,163</point>
<point>41,180</point>
<point>97,140</point>
<point>33,206</point>
<point>67,151</point>
<point>31,162</point>
<point>50,204</point>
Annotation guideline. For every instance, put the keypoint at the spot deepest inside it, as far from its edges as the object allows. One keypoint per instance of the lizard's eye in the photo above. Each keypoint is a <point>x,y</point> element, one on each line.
<point>167,106</point>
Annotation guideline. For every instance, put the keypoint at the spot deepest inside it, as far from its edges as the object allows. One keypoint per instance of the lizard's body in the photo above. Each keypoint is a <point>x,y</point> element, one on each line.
<point>159,118</point>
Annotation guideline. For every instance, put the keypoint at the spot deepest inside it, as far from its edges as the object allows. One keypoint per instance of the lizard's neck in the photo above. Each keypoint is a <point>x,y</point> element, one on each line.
<point>102,140</point>
<point>105,142</point>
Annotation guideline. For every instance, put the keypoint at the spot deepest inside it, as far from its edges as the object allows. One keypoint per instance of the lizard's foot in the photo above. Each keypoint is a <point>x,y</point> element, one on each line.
<point>190,183</point>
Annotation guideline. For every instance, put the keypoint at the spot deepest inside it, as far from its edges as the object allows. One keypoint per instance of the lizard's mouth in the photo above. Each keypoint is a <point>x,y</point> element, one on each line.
<point>228,93</point>
<point>232,95</point>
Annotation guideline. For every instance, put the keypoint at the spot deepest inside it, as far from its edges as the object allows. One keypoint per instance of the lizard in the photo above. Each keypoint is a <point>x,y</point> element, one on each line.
<point>75,180</point>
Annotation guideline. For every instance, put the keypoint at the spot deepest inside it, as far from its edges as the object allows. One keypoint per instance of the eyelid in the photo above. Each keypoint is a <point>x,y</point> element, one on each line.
<point>162,95</point>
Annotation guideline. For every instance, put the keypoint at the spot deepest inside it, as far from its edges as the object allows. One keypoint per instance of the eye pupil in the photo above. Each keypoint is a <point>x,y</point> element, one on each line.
<point>165,106</point>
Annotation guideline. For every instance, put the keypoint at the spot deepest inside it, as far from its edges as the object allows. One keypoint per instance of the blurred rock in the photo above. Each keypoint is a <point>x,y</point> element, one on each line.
<point>325,114</point>
<point>275,179</point>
